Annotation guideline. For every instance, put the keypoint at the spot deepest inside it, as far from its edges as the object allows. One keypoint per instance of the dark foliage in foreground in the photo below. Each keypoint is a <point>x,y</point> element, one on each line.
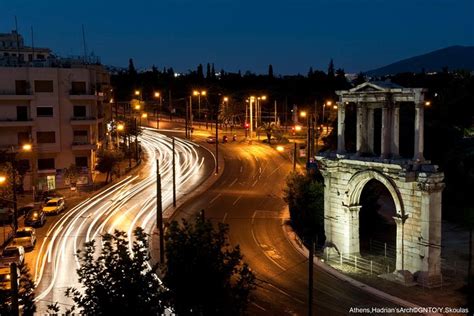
<point>204,275</point>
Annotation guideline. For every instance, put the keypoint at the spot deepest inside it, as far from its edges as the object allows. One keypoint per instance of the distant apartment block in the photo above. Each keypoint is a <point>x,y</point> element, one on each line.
<point>13,51</point>
<point>60,111</point>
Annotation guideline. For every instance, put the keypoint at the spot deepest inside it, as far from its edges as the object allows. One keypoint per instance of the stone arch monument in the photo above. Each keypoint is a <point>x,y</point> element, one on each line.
<point>414,184</point>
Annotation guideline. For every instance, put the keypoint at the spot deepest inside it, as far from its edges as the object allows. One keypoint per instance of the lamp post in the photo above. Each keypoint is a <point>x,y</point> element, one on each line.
<point>158,95</point>
<point>252,100</point>
<point>198,94</point>
<point>258,110</point>
<point>327,103</point>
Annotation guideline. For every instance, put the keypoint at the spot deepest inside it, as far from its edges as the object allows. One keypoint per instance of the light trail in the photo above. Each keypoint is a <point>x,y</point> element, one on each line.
<point>122,206</point>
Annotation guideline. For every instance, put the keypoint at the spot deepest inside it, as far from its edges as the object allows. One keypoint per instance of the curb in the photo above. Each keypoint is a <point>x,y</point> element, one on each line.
<point>292,237</point>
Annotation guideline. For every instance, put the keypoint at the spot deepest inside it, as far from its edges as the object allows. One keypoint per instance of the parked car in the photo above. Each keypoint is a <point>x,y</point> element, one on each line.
<point>12,254</point>
<point>25,237</point>
<point>211,140</point>
<point>28,207</point>
<point>54,206</point>
<point>35,218</point>
<point>45,196</point>
<point>6,214</point>
<point>5,278</point>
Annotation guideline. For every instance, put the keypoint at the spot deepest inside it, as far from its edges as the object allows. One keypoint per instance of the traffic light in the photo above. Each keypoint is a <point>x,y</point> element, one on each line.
<point>247,125</point>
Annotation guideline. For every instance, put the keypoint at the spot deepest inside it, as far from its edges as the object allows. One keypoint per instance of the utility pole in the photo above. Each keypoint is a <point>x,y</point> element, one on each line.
<point>174,176</point>
<point>217,140</point>
<point>251,118</point>
<point>310,278</point>
<point>275,112</point>
<point>170,104</point>
<point>14,286</point>
<point>159,212</point>
<point>308,138</point>
<point>294,158</point>
<point>136,140</point>
<point>186,123</point>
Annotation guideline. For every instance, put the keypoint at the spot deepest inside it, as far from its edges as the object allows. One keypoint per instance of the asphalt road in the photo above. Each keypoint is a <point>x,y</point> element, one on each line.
<point>248,196</point>
<point>123,206</point>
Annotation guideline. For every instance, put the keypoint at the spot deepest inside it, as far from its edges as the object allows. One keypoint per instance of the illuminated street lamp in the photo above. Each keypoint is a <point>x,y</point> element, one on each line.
<point>427,103</point>
<point>120,128</point>
<point>3,179</point>
<point>303,114</point>
<point>258,110</point>
<point>199,94</point>
<point>280,148</point>
<point>144,115</point>
<point>327,103</point>
<point>157,95</point>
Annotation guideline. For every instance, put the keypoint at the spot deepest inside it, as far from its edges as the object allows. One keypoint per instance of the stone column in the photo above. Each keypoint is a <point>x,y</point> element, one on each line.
<point>395,135</point>
<point>341,128</point>
<point>419,132</point>
<point>430,239</point>
<point>385,135</point>
<point>352,244</point>
<point>361,129</point>
<point>370,130</point>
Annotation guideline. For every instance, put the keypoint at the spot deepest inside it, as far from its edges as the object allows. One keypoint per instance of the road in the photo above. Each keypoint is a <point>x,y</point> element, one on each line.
<point>123,206</point>
<point>248,196</point>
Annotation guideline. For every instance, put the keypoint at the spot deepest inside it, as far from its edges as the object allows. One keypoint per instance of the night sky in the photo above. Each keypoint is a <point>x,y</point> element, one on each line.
<point>291,35</point>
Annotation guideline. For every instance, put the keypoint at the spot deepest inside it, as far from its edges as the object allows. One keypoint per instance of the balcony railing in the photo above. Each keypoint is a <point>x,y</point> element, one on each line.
<point>83,118</point>
<point>15,92</point>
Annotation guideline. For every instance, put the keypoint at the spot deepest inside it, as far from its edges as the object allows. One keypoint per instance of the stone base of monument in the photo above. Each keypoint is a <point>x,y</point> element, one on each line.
<point>429,281</point>
<point>403,277</point>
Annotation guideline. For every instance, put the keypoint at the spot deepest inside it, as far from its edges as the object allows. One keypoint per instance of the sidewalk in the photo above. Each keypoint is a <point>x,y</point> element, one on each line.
<point>446,296</point>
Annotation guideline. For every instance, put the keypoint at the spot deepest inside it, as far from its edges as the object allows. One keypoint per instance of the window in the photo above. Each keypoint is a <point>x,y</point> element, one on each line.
<point>23,138</point>
<point>23,165</point>
<point>46,164</point>
<point>44,86</point>
<point>81,162</point>
<point>78,87</point>
<point>80,137</point>
<point>45,137</point>
<point>21,87</point>
<point>40,56</point>
<point>22,113</point>
<point>44,111</point>
<point>79,111</point>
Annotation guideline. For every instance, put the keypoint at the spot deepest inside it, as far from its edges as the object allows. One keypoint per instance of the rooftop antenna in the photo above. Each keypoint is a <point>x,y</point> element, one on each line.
<point>32,45</point>
<point>17,41</point>
<point>84,43</point>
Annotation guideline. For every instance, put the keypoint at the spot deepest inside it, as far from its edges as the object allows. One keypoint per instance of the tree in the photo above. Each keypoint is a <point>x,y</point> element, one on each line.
<point>70,174</point>
<point>26,294</point>
<point>204,275</point>
<point>118,281</point>
<point>305,197</point>
<point>269,128</point>
<point>131,68</point>
<point>331,69</point>
<point>208,72</point>
<point>270,71</point>
<point>108,162</point>
<point>200,73</point>
<point>310,72</point>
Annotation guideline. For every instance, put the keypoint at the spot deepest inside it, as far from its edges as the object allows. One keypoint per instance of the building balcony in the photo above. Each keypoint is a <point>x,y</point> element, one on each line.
<point>84,120</point>
<point>12,95</point>
<point>15,122</point>
<point>83,146</point>
<point>82,95</point>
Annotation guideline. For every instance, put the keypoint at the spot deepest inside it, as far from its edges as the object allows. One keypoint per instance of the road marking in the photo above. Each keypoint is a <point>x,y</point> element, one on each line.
<point>241,168</point>
<point>225,216</point>
<point>233,182</point>
<point>217,196</point>
<point>259,307</point>
<point>235,202</point>
<point>259,169</point>
<point>255,183</point>
<point>284,293</point>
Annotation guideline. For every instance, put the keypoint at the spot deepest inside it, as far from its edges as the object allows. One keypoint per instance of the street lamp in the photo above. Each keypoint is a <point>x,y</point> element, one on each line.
<point>327,103</point>
<point>258,110</point>
<point>157,95</point>
<point>120,127</point>
<point>198,94</point>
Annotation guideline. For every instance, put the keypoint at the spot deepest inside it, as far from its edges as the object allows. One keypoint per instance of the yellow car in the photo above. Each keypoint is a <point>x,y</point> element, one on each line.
<point>54,206</point>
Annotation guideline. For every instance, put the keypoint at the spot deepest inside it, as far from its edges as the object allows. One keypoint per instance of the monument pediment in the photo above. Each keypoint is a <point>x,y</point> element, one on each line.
<point>376,86</point>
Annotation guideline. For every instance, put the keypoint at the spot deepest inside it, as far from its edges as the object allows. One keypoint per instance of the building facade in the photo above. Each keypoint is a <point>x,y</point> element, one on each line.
<point>13,50</point>
<point>60,111</point>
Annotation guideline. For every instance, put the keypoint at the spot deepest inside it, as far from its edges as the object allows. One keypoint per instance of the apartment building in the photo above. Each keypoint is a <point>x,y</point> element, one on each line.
<point>60,111</point>
<point>13,50</point>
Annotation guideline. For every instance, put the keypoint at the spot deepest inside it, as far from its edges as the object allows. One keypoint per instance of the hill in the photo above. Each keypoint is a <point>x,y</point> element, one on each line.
<point>453,57</point>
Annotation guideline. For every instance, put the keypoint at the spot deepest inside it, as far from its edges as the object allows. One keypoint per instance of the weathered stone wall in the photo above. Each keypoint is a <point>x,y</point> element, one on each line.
<point>416,192</point>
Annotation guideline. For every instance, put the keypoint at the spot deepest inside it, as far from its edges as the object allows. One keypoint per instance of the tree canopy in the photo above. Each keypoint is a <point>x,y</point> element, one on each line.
<point>118,281</point>
<point>204,275</point>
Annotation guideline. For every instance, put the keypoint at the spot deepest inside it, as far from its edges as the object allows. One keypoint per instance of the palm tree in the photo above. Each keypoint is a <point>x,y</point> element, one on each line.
<point>270,129</point>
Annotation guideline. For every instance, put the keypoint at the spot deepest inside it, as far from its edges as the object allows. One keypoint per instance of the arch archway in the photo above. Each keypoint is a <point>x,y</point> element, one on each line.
<point>377,226</point>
